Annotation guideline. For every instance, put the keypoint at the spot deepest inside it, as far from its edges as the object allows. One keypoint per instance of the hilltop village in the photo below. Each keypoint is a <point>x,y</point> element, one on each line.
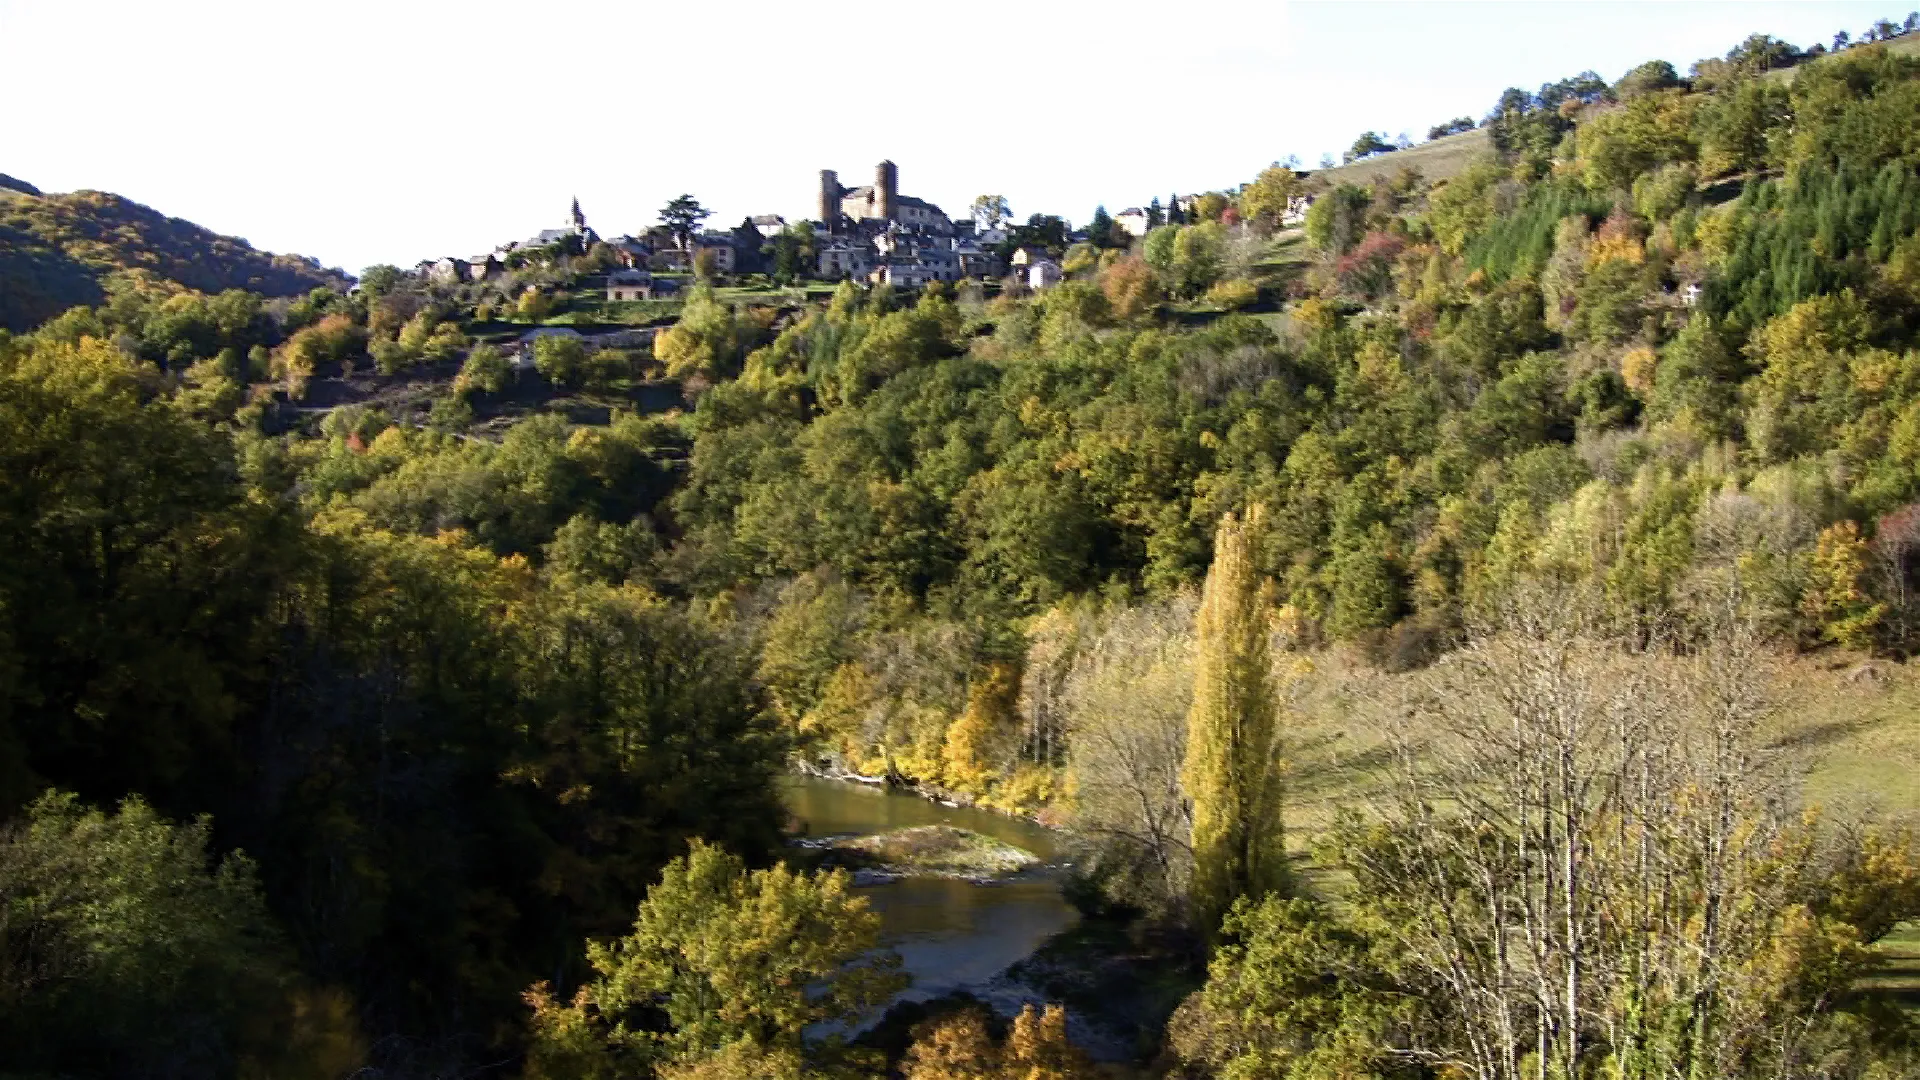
<point>871,234</point>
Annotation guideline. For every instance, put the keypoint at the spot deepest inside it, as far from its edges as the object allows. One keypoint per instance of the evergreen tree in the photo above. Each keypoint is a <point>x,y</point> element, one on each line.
<point>1100,229</point>
<point>1174,214</point>
<point>1156,216</point>
<point>1232,735</point>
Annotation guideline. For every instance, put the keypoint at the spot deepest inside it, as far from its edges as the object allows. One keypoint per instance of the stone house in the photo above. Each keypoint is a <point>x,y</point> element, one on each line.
<point>629,251</point>
<point>484,267</point>
<point>1043,273</point>
<point>841,258</point>
<point>625,285</point>
<point>448,271</point>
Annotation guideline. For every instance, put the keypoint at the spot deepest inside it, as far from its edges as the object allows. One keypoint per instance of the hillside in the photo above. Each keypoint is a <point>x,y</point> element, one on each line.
<point>1437,159</point>
<point>1905,45</point>
<point>57,250</point>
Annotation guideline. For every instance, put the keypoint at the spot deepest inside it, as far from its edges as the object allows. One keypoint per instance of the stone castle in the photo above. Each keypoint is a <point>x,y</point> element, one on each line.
<point>877,205</point>
<point>875,233</point>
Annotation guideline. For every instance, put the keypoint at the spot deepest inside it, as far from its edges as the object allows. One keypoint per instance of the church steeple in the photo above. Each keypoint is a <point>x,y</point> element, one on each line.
<point>579,219</point>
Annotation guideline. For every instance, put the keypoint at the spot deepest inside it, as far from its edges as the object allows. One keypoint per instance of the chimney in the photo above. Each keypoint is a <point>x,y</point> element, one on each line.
<point>886,188</point>
<point>829,198</point>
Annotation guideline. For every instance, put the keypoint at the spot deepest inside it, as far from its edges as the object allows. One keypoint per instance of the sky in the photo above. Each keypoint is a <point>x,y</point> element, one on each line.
<point>388,131</point>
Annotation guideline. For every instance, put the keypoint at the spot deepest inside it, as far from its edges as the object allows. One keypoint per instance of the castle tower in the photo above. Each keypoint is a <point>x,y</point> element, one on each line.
<point>886,189</point>
<point>829,198</point>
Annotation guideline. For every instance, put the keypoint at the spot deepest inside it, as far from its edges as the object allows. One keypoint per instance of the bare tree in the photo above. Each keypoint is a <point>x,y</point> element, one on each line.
<point>1896,561</point>
<point>1125,697</point>
<point>1589,853</point>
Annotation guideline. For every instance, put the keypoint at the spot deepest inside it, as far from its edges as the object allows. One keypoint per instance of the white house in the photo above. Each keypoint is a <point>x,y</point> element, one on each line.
<point>1132,220</point>
<point>903,273</point>
<point>1043,273</point>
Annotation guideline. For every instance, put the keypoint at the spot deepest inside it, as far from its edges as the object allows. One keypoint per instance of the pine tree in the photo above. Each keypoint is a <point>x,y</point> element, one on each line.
<point>1100,229</point>
<point>1233,745</point>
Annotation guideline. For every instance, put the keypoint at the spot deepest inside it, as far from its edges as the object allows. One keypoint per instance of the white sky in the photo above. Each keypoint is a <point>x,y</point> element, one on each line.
<point>364,131</point>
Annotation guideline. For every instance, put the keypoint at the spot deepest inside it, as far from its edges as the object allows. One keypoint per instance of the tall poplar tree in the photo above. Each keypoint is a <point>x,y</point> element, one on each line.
<point>1233,741</point>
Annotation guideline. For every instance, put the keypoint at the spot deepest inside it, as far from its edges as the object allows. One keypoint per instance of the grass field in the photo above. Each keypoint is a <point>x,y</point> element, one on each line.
<point>1899,981</point>
<point>1439,159</point>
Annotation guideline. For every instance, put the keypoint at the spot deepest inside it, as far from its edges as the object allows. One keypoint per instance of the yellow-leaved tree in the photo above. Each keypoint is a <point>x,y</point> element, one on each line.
<point>1233,740</point>
<point>738,964</point>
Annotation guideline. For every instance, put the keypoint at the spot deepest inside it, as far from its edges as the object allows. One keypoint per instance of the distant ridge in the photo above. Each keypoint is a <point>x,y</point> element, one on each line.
<point>58,250</point>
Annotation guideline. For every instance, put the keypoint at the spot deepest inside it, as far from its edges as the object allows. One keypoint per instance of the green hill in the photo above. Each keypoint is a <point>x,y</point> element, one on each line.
<point>57,250</point>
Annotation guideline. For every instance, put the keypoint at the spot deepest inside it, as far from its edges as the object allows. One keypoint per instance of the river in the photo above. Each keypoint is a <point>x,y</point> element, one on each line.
<point>951,935</point>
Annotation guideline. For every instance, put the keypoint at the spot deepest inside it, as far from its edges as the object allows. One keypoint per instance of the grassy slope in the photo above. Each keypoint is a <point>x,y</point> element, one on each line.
<point>1440,159</point>
<point>1855,736</point>
<point>1907,44</point>
<point>1900,980</point>
<point>1853,729</point>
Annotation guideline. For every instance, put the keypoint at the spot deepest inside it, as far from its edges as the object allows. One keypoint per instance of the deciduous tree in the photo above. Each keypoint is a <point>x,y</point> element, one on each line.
<point>1232,769</point>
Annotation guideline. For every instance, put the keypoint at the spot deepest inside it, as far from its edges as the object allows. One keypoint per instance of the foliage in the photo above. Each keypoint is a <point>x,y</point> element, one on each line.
<point>723,956</point>
<point>1367,145</point>
<point>1335,220</point>
<point>682,216</point>
<point>959,1046</point>
<point>1234,294</point>
<point>448,759</point>
<point>128,949</point>
<point>560,358</point>
<point>485,370</point>
<point>1271,195</point>
<point>703,342</point>
<point>1233,738</point>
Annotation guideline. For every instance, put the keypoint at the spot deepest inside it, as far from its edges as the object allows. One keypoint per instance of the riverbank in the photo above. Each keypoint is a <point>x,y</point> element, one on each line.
<point>1045,818</point>
<point>923,850</point>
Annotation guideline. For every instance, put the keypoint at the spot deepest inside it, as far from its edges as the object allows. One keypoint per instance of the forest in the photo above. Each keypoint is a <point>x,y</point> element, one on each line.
<point>1405,607</point>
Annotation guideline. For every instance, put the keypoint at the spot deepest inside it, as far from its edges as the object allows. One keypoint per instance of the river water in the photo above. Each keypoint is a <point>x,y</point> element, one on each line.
<point>951,935</point>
